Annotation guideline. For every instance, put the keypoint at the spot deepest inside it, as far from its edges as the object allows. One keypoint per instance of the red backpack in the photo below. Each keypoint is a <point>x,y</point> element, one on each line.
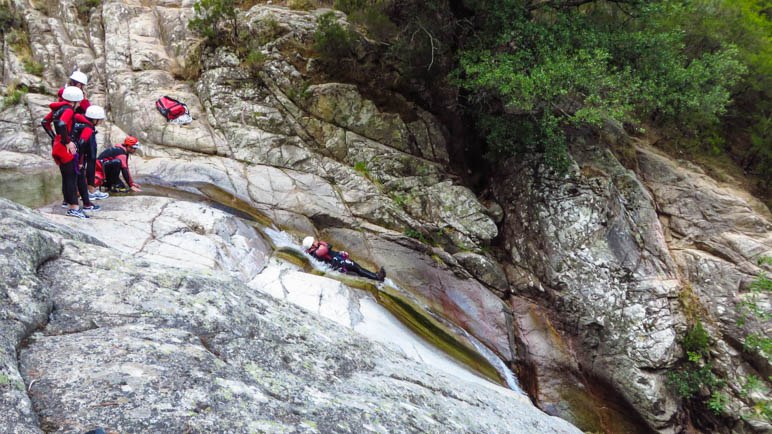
<point>171,109</point>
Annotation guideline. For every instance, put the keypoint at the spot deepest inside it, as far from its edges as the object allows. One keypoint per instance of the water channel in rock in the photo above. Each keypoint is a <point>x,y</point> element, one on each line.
<point>389,314</point>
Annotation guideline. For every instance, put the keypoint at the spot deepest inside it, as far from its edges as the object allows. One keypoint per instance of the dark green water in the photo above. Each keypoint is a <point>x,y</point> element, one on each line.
<point>32,189</point>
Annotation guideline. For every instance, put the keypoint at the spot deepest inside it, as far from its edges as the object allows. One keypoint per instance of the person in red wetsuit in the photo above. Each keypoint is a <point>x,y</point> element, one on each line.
<point>340,261</point>
<point>115,162</point>
<point>64,151</point>
<point>79,80</point>
<point>84,135</point>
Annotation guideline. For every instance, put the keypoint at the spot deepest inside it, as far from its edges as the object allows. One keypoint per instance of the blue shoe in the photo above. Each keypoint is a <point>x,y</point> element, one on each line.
<point>91,207</point>
<point>76,213</point>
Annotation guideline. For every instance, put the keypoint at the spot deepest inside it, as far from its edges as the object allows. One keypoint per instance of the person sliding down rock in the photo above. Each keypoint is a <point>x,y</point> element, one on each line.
<point>338,260</point>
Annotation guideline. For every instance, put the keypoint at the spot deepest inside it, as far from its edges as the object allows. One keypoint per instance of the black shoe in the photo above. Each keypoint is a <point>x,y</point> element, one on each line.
<point>381,274</point>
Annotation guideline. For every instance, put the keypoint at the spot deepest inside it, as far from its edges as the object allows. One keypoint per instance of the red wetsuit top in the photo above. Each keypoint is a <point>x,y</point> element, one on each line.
<point>64,126</point>
<point>321,250</point>
<point>85,136</point>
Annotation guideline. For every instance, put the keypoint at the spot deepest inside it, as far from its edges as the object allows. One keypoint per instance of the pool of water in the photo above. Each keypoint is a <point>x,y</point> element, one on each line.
<point>32,189</point>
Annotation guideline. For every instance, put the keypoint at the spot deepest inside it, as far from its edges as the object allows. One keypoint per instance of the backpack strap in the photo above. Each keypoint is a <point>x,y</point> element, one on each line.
<point>61,127</point>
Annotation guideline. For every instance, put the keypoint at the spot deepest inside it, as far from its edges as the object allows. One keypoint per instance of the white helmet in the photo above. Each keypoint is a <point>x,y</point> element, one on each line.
<point>308,242</point>
<point>72,94</point>
<point>95,112</point>
<point>79,77</point>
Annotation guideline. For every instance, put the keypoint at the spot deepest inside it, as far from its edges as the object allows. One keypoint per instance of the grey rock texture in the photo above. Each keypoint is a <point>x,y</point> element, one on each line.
<point>119,341</point>
<point>610,254</point>
<point>594,242</point>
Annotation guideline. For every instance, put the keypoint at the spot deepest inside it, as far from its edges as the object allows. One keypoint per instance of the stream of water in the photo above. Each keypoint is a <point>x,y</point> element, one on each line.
<point>381,325</point>
<point>377,321</point>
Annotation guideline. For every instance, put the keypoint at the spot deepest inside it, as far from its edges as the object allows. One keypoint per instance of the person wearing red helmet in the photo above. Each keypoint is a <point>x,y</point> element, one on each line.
<point>115,162</point>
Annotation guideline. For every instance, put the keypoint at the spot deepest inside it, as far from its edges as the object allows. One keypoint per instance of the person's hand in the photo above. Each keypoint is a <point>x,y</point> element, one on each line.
<point>71,148</point>
<point>135,187</point>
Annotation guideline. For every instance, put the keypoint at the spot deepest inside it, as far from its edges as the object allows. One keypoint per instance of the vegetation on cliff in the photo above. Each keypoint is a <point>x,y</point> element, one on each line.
<point>528,71</point>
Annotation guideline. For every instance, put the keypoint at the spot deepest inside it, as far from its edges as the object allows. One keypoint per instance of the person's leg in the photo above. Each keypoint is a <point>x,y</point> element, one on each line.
<point>112,171</point>
<point>83,188</point>
<point>69,184</point>
<point>356,268</point>
<point>91,171</point>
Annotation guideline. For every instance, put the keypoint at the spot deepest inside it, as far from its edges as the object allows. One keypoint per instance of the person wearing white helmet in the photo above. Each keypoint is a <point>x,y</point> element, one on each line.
<point>63,151</point>
<point>94,114</point>
<point>84,135</point>
<point>79,80</point>
<point>340,261</point>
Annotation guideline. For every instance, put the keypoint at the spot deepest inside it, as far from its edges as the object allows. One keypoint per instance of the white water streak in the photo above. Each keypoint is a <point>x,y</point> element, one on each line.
<point>380,325</point>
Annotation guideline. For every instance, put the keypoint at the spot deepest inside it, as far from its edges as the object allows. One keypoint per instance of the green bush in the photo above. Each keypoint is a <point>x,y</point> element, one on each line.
<point>690,379</point>
<point>361,167</point>
<point>9,19</point>
<point>751,308</point>
<point>332,41</point>
<point>32,66</point>
<point>14,94</point>
<point>255,59</point>
<point>552,67</point>
<point>269,30</point>
<point>216,21</point>
<point>302,5</point>
<point>697,340</point>
<point>717,402</point>
<point>376,22</point>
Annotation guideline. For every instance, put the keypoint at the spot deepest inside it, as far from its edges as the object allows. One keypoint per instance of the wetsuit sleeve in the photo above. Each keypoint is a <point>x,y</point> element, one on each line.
<point>125,169</point>
<point>46,124</point>
<point>84,141</point>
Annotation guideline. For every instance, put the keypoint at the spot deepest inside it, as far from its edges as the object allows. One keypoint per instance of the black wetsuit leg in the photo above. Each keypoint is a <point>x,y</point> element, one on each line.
<point>69,182</point>
<point>91,161</point>
<point>112,171</point>
<point>356,268</point>
<point>83,187</point>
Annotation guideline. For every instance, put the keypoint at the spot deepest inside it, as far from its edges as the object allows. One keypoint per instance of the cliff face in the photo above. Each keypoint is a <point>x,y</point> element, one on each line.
<point>604,256</point>
<point>629,260</point>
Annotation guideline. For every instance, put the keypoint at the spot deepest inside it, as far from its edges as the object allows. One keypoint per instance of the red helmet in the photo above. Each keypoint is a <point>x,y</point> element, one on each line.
<point>130,141</point>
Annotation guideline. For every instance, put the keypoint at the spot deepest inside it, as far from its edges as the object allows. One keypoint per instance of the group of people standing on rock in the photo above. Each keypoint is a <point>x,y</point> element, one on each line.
<point>71,124</point>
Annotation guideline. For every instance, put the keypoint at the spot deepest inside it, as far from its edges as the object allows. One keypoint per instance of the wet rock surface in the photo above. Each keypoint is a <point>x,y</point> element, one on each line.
<point>608,253</point>
<point>118,340</point>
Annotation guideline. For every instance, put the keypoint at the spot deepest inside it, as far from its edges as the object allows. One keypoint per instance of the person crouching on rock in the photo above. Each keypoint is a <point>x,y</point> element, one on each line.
<point>339,261</point>
<point>115,162</point>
